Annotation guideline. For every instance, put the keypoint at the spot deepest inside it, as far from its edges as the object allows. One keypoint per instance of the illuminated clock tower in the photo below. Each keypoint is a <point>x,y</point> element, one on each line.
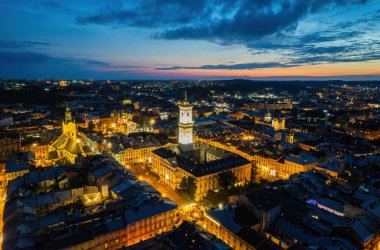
<point>185,134</point>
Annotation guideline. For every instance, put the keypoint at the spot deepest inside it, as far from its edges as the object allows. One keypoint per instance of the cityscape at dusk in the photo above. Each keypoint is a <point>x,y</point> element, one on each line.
<point>182,125</point>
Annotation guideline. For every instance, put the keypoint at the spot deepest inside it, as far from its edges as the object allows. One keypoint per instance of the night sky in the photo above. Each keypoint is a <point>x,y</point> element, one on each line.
<point>195,39</point>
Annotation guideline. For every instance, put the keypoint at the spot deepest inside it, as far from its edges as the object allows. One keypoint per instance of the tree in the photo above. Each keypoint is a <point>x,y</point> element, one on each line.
<point>188,187</point>
<point>263,182</point>
<point>213,199</point>
<point>226,180</point>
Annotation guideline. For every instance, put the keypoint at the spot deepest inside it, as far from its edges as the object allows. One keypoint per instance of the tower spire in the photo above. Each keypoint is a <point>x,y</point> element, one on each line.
<point>185,95</point>
<point>68,117</point>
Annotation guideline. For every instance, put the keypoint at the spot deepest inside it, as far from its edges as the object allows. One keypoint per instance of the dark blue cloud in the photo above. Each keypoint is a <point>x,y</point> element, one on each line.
<point>149,13</point>
<point>24,57</point>
<point>255,65</point>
<point>14,64</point>
<point>249,21</point>
<point>98,63</point>
<point>329,36</point>
<point>6,44</point>
<point>50,4</point>
<point>326,50</point>
<point>224,22</point>
<point>333,58</point>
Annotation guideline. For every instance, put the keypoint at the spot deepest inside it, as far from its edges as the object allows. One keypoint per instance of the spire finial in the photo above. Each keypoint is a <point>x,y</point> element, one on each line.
<point>185,95</point>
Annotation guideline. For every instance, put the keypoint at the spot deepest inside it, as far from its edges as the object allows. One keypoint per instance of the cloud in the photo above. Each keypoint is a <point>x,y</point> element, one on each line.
<point>323,59</point>
<point>35,64</point>
<point>50,4</point>
<point>329,36</point>
<point>302,55</point>
<point>263,26</point>
<point>249,66</point>
<point>224,22</point>
<point>325,49</point>
<point>97,63</point>
<point>24,57</point>
<point>148,13</point>
<point>6,44</point>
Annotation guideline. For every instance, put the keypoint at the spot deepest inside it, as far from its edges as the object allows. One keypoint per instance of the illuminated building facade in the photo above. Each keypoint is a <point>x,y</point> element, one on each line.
<point>278,123</point>
<point>40,151</point>
<point>69,145</point>
<point>9,144</point>
<point>282,167</point>
<point>220,223</point>
<point>370,134</point>
<point>172,166</point>
<point>185,126</point>
<point>131,227</point>
<point>134,155</point>
<point>16,171</point>
<point>290,137</point>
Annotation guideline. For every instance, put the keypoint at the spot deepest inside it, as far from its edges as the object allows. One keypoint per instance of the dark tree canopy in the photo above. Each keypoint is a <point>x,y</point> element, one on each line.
<point>188,187</point>
<point>213,199</point>
<point>226,180</point>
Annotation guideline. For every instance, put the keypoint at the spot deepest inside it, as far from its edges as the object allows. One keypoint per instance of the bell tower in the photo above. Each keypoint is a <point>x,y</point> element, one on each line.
<point>68,125</point>
<point>185,125</point>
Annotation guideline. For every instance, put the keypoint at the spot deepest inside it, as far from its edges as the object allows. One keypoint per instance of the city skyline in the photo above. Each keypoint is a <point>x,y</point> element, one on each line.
<point>164,39</point>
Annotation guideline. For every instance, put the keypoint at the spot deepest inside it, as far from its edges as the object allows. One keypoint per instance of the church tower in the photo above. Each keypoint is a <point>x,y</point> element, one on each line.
<point>290,137</point>
<point>185,133</point>
<point>278,123</point>
<point>68,125</point>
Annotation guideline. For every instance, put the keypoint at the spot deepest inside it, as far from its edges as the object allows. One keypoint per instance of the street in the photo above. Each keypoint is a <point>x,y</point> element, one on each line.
<point>143,173</point>
<point>189,210</point>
